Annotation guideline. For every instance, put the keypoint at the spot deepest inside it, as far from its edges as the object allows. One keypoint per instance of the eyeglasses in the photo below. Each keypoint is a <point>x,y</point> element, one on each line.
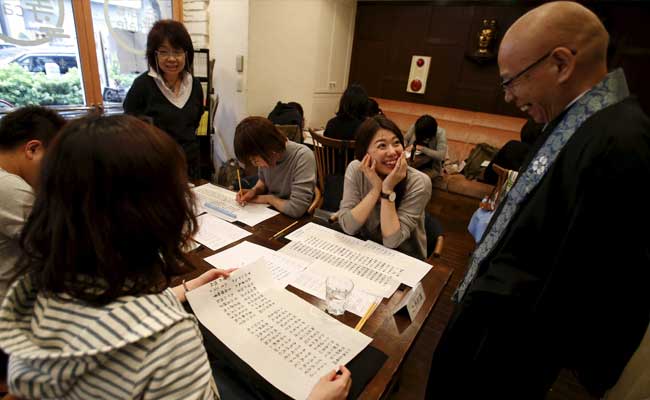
<point>169,54</point>
<point>507,83</point>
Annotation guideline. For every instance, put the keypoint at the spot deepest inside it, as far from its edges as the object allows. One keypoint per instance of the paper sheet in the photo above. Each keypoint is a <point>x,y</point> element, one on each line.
<point>285,339</point>
<point>221,203</point>
<point>284,270</point>
<point>313,282</point>
<point>363,258</point>
<point>215,233</point>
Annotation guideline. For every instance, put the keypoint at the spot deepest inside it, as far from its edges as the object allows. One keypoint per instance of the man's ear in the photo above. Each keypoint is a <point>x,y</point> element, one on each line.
<point>34,150</point>
<point>565,62</point>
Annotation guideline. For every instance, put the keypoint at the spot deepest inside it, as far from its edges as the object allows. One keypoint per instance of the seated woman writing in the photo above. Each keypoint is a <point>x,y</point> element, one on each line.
<point>94,318</point>
<point>430,139</point>
<point>383,198</point>
<point>286,170</point>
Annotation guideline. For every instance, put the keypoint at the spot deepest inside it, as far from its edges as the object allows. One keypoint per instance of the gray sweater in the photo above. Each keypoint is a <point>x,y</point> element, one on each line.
<point>292,178</point>
<point>411,237</point>
<point>16,198</point>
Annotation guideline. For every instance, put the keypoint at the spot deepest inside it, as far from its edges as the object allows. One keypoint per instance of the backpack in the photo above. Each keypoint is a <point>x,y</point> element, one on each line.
<point>227,176</point>
<point>284,114</point>
<point>480,153</point>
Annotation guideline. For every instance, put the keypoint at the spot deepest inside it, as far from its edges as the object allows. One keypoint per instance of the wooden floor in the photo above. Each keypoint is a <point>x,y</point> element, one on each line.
<point>454,213</point>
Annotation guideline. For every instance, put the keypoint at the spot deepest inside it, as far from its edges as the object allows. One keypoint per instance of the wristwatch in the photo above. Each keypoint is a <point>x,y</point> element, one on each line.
<point>389,196</point>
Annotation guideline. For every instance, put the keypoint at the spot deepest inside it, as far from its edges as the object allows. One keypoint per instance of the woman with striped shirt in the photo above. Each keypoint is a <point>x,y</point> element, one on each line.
<point>93,317</point>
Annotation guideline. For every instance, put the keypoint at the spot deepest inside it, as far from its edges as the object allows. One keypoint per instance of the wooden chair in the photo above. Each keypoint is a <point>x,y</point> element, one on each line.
<point>332,157</point>
<point>435,235</point>
<point>316,202</point>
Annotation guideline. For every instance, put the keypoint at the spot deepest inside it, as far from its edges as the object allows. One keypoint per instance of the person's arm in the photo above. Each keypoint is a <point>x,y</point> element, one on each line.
<point>178,367</point>
<point>389,221</point>
<point>134,102</point>
<point>179,291</point>
<point>16,208</point>
<point>410,211</point>
<point>250,195</point>
<point>356,208</point>
<point>409,137</point>
<point>440,152</point>
<point>302,186</point>
<point>332,386</point>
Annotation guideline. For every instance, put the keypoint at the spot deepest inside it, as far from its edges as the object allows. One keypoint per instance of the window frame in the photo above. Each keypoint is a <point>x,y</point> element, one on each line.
<point>86,44</point>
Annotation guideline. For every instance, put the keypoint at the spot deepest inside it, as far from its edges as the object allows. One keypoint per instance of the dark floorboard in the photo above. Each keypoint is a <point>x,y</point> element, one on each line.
<point>454,213</point>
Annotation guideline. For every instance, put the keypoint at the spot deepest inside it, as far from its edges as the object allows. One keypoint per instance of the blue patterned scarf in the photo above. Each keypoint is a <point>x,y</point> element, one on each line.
<point>609,91</point>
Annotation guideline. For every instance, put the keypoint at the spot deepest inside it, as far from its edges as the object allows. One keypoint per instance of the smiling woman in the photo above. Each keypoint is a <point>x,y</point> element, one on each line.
<point>168,94</point>
<point>383,198</point>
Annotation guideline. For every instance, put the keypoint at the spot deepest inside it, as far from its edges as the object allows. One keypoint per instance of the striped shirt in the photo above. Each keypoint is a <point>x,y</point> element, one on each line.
<point>144,347</point>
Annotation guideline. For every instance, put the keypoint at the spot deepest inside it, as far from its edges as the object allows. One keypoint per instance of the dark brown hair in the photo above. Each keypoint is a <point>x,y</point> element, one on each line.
<point>29,123</point>
<point>113,213</point>
<point>366,132</point>
<point>177,36</point>
<point>257,136</point>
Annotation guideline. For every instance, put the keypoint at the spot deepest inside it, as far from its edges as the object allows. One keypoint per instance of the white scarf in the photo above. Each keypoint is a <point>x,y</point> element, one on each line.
<point>180,99</point>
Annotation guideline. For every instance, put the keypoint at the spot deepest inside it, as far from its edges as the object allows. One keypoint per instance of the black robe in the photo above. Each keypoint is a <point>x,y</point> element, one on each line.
<point>568,283</point>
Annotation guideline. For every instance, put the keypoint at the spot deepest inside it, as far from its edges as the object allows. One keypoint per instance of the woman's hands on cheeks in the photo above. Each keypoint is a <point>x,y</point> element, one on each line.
<point>396,175</point>
<point>201,280</point>
<point>332,386</point>
<point>368,169</point>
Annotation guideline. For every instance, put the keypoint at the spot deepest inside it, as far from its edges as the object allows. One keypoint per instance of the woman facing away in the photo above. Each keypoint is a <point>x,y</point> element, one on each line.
<point>353,110</point>
<point>286,169</point>
<point>383,198</point>
<point>94,317</point>
<point>167,93</point>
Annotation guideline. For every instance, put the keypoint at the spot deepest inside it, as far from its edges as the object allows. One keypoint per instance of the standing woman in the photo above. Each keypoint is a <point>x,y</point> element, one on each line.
<point>168,93</point>
<point>383,198</point>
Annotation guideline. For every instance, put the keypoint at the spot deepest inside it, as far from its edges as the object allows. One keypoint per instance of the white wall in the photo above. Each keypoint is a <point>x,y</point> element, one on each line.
<point>228,38</point>
<point>299,50</point>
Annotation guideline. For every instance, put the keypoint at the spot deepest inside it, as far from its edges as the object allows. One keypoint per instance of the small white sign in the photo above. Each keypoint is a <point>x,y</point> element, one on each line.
<point>485,164</point>
<point>412,302</point>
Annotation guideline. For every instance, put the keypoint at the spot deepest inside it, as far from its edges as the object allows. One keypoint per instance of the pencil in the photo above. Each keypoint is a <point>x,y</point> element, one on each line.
<point>283,230</point>
<point>367,315</point>
<point>239,181</point>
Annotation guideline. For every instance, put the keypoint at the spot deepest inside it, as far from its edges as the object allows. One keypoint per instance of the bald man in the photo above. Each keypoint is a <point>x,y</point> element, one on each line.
<point>561,276</point>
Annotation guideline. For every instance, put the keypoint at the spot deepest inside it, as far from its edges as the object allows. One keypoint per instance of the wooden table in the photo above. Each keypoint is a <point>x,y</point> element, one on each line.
<point>393,335</point>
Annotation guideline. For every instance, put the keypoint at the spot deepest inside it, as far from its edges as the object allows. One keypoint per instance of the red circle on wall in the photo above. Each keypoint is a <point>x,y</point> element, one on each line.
<point>416,85</point>
<point>420,62</point>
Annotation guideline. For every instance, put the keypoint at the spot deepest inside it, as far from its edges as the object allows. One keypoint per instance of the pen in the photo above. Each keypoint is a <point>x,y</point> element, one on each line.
<point>239,181</point>
<point>220,210</point>
<point>283,230</point>
<point>367,315</point>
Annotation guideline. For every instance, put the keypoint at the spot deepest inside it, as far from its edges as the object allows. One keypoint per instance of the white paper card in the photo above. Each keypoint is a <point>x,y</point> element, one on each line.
<point>221,202</point>
<point>284,269</point>
<point>412,301</point>
<point>215,233</point>
<point>328,245</point>
<point>285,339</point>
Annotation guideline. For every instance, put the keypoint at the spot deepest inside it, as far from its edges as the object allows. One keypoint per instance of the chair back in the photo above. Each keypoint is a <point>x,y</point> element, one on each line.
<point>332,156</point>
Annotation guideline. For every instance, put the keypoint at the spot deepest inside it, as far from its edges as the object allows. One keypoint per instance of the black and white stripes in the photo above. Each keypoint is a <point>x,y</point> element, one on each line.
<point>136,347</point>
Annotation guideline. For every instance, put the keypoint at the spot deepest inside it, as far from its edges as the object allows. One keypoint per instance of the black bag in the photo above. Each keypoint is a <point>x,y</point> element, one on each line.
<point>227,176</point>
<point>285,114</point>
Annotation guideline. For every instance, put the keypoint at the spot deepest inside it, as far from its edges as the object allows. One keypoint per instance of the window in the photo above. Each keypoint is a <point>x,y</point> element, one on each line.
<point>74,52</point>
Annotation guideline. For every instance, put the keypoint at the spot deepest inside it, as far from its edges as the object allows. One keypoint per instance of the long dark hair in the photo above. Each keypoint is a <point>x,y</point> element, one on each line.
<point>367,131</point>
<point>113,213</point>
<point>353,103</point>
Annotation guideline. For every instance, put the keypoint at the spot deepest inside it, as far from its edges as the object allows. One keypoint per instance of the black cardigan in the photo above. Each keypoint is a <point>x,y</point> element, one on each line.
<point>145,99</point>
